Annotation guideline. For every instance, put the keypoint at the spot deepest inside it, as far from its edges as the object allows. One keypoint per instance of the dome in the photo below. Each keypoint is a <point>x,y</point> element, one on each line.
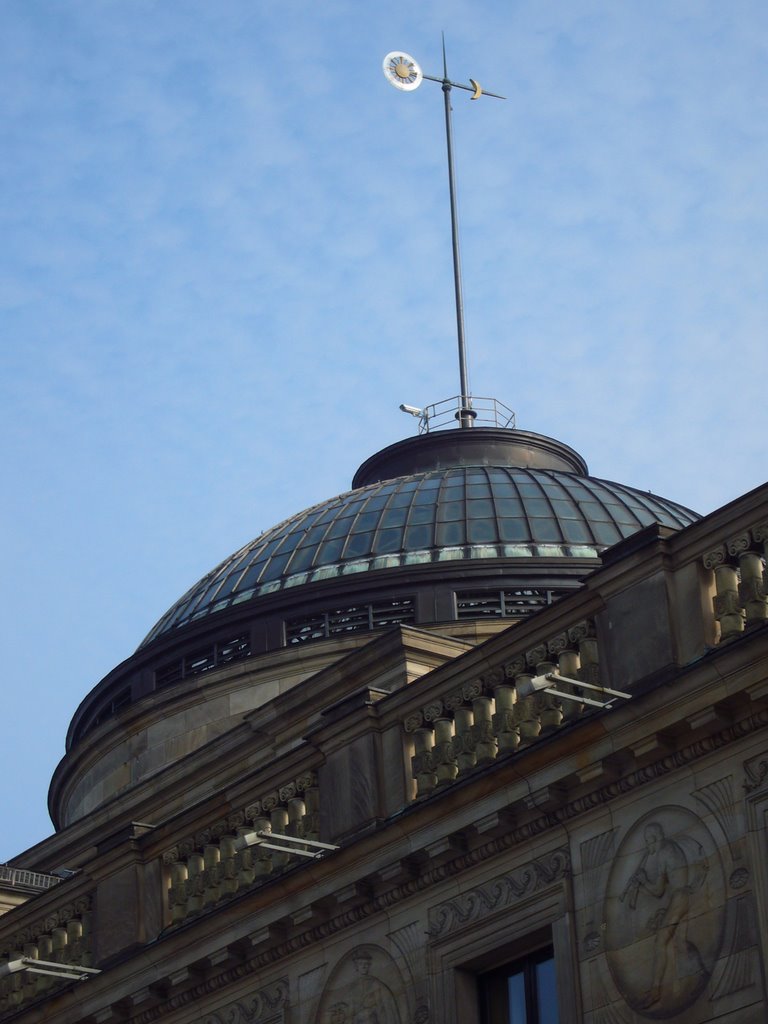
<point>448,497</point>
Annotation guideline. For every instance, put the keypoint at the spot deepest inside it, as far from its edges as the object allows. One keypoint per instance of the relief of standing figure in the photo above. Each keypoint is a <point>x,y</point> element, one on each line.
<point>664,874</point>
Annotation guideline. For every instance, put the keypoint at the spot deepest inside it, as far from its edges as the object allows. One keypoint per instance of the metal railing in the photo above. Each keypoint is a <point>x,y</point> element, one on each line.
<point>484,412</point>
<point>22,879</point>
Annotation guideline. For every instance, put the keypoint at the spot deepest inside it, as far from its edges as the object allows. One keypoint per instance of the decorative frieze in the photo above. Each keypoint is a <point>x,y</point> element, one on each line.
<point>499,894</point>
<point>488,718</point>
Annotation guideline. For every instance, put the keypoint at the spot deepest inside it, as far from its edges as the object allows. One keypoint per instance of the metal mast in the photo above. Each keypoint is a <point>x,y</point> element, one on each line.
<point>404,73</point>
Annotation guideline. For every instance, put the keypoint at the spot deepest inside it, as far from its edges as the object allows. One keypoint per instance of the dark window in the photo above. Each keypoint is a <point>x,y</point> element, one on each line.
<point>523,992</point>
<point>353,619</point>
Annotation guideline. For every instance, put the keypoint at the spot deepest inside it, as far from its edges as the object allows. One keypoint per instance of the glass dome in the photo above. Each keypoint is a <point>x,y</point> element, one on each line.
<point>448,513</point>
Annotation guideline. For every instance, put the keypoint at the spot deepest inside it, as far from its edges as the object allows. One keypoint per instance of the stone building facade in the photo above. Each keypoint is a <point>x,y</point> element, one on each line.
<point>493,841</point>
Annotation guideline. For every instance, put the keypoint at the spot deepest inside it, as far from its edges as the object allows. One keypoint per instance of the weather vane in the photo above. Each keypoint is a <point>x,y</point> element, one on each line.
<point>402,71</point>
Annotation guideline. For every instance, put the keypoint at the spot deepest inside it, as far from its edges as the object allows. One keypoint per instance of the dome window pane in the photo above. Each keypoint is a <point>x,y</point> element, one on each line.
<point>394,517</point>
<point>594,512</point>
<point>418,537</point>
<point>388,540</point>
<point>450,533</point>
<point>274,568</point>
<point>450,511</point>
<point>545,529</point>
<point>452,494</point>
<point>505,490</point>
<point>479,508</point>
<point>480,531</point>
<point>401,500</point>
<point>316,534</point>
<point>330,551</point>
<point>565,509</point>
<point>478,490</point>
<point>422,514</point>
<point>423,497</point>
<point>366,521</point>
<point>338,529</point>
<point>252,575</point>
<point>538,507</point>
<point>513,529</point>
<point>376,503</point>
<point>302,559</point>
<point>605,533</point>
<point>358,544</point>
<point>575,531</point>
<point>509,507</point>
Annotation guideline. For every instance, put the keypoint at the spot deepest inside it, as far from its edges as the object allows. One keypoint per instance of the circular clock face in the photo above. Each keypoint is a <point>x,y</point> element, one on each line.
<point>402,71</point>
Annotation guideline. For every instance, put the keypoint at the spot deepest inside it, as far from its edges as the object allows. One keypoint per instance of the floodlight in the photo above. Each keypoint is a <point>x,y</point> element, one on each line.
<point>262,837</point>
<point>544,684</point>
<point>74,971</point>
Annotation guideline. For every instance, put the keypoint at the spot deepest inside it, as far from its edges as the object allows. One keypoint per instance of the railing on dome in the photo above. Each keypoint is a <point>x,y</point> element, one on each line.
<point>484,412</point>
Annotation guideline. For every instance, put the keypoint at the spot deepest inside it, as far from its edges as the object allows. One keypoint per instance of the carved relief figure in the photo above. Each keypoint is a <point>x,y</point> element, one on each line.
<point>664,874</point>
<point>363,989</point>
<point>372,1000</point>
<point>664,912</point>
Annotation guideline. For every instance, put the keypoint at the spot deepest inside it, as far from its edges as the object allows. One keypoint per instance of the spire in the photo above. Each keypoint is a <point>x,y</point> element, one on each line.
<point>402,71</point>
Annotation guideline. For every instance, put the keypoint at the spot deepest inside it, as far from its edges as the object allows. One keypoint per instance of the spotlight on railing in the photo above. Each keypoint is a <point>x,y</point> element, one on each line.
<point>286,844</point>
<point>545,684</point>
<point>74,971</point>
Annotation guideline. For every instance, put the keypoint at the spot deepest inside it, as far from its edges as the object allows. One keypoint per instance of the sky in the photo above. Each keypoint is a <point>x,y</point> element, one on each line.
<point>225,261</point>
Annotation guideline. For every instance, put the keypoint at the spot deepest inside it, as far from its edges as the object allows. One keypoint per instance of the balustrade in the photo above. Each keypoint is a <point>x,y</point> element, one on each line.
<point>741,581</point>
<point>63,936</point>
<point>208,867</point>
<point>487,718</point>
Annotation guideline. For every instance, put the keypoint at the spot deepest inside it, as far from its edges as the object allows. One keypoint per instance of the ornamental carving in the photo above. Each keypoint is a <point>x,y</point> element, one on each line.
<point>664,912</point>
<point>266,1006</point>
<point>755,772</point>
<point>413,722</point>
<point>499,894</point>
<point>366,986</point>
<point>716,557</point>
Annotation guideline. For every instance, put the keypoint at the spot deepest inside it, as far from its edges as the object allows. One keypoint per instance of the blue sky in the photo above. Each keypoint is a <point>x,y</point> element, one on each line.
<point>225,261</point>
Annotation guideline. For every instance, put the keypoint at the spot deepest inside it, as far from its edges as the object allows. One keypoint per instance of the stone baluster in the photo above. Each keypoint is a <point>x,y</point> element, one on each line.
<point>728,610</point>
<point>262,858</point>
<point>16,982</point>
<point>278,821</point>
<point>195,886</point>
<point>30,980</point>
<point>568,665</point>
<point>483,736</point>
<point>228,866</point>
<point>751,585</point>
<point>178,890</point>
<point>74,941</point>
<point>211,861</point>
<point>550,712</point>
<point>44,952</point>
<point>443,757</point>
<point>244,861</point>
<point>526,710</point>
<point>463,741</point>
<point>504,721</point>
<point>59,945</point>
<point>422,766</point>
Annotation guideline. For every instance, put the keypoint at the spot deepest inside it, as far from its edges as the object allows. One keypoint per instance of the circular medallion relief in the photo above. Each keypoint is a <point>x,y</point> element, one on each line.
<point>664,912</point>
